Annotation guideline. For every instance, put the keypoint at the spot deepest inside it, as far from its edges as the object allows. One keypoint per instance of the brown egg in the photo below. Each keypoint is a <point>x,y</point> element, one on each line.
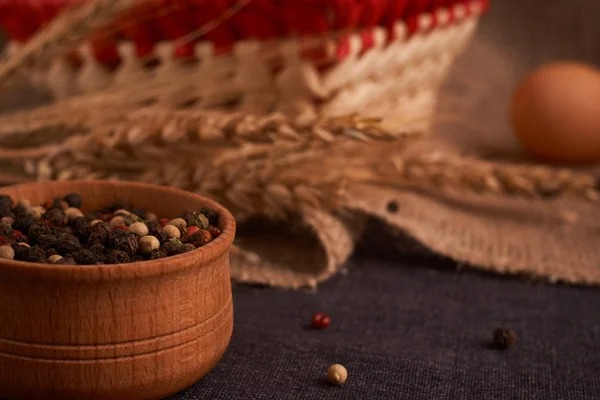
<point>555,113</point>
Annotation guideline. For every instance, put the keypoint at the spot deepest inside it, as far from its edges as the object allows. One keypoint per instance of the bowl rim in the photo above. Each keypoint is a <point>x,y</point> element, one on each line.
<point>108,272</point>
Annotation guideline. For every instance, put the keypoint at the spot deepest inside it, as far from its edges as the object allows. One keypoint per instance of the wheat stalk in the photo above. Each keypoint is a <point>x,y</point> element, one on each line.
<point>441,170</point>
<point>271,164</point>
<point>147,131</point>
<point>276,179</point>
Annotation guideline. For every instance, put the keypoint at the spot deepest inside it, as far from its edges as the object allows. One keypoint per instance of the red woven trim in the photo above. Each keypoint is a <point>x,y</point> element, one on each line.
<point>166,20</point>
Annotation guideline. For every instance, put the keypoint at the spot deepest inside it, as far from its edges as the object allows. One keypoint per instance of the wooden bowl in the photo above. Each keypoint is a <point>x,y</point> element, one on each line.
<point>128,331</point>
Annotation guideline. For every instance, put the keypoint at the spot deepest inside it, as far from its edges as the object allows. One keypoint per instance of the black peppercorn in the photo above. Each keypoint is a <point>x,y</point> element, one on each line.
<point>5,201</point>
<point>50,252</point>
<point>97,248</point>
<point>172,246</point>
<point>211,214</point>
<point>127,242</point>
<point>57,203</point>
<point>154,229</point>
<point>20,210</point>
<point>142,214</point>
<point>81,228</point>
<point>98,236</point>
<point>153,226</point>
<point>116,233</point>
<point>35,254</point>
<point>6,230</point>
<point>187,247</point>
<point>83,233</point>
<point>5,212</point>
<point>86,257</point>
<point>156,254</point>
<point>117,257</point>
<point>67,244</point>
<point>35,231</point>
<point>92,215</point>
<point>503,338</point>
<point>161,235</point>
<point>24,222</point>
<point>137,258</point>
<point>56,230</point>
<point>117,205</point>
<point>73,200</point>
<point>56,216</point>
<point>78,222</point>
<point>20,251</point>
<point>105,226</point>
<point>187,216</point>
<point>46,242</point>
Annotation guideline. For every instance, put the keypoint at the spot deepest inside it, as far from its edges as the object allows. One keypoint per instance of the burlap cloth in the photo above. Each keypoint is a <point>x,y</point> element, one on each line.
<point>553,240</point>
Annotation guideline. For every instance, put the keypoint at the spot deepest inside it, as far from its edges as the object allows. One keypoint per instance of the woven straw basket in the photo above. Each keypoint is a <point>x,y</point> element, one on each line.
<point>380,58</point>
<point>174,92</point>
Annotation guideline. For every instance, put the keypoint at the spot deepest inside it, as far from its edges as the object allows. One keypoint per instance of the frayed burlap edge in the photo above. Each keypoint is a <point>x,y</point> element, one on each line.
<point>300,252</point>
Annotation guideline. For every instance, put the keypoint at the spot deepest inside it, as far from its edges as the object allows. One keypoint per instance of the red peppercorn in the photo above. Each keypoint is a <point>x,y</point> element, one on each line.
<point>164,221</point>
<point>191,230</point>
<point>122,227</point>
<point>320,320</point>
<point>19,237</point>
<point>214,231</point>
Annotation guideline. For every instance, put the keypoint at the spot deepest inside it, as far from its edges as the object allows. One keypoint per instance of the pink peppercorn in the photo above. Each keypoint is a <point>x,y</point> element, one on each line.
<point>321,320</point>
<point>191,230</point>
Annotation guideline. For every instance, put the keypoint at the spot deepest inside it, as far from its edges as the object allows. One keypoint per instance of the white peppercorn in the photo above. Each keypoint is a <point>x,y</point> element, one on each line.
<point>7,252</point>
<point>148,243</point>
<point>139,228</point>
<point>117,221</point>
<point>7,221</point>
<point>151,217</point>
<point>37,212</point>
<point>179,223</point>
<point>122,212</point>
<point>23,244</point>
<point>24,203</point>
<point>73,213</point>
<point>172,231</point>
<point>337,374</point>
<point>54,258</point>
<point>96,221</point>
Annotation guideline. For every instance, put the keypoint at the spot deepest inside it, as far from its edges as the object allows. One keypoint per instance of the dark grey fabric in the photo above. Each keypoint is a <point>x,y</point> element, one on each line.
<point>411,329</point>
<point>416,328</point>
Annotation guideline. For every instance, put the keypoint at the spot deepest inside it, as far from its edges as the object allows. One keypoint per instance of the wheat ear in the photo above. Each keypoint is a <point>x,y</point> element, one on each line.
<point>449,170</point>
